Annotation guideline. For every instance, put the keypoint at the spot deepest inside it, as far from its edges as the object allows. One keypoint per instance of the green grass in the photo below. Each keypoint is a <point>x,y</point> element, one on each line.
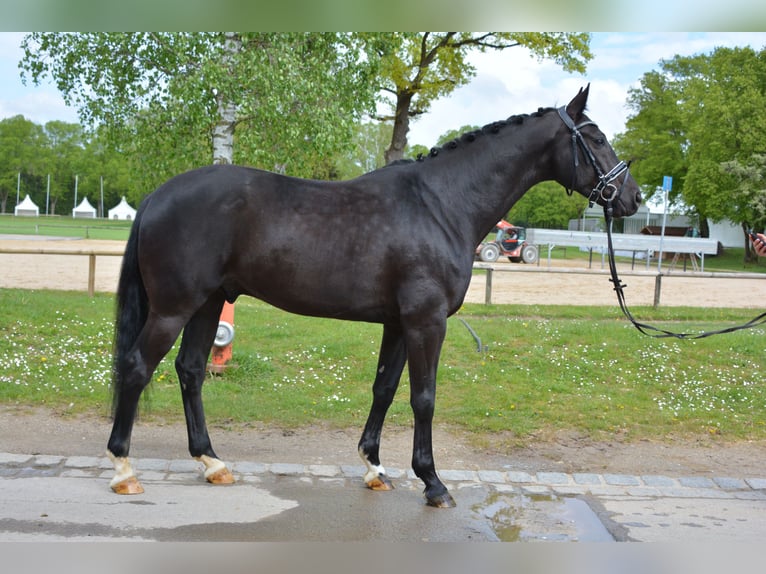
<point>548,368</point>
<point>64,226</point>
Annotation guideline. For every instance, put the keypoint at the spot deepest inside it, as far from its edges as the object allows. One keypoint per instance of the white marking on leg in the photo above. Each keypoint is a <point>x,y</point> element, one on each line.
<point>122,468</point>
<point>212,465</point>
<point>373,470</point>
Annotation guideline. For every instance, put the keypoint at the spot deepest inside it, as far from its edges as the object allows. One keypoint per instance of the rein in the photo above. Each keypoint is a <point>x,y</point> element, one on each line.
<point>605,183</point>
<point>651,330</point>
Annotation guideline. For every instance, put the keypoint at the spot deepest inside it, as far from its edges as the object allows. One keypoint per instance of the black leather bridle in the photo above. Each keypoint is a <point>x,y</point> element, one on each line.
<point>604,179</point>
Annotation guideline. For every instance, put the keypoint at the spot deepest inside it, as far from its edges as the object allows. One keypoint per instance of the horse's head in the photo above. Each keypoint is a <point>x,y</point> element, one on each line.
<point>587,163</point>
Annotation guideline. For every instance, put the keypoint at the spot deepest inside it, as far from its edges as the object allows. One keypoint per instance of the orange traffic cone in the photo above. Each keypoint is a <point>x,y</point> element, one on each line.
<point>221,353</point>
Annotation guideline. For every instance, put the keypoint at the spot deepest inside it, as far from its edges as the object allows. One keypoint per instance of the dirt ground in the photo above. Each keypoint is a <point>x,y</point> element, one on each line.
<point>36,430</point>
<point>27,430</point>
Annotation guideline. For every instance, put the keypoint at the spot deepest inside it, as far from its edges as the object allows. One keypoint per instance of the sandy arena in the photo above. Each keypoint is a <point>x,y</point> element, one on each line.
<point>520,284</point>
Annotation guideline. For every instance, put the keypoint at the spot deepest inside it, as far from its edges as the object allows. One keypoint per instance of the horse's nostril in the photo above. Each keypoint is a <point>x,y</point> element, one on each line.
<point>638,198</point>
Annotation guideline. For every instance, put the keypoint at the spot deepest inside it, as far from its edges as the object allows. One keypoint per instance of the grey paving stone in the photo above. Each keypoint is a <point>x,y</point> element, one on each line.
<point>696,482</point>
<point>535,489</point>
<point>519,476</point>
<point>648,491</point>
<point>82,462</point>
<point>161,464</point>
<point>690,492</point>
<point>326,470</point>
<point>10,458</point>
<point>287,469</point>
<point>75,473</point>
<point>756,483</point>
<point>492,476</point>
<point>458,475</point>
<point>179,465</point>
<point>621,480</point>
<point>658,480</point>
<point>157,475</point>
<point>47,460</point>
<point>553,478</point>
<point>749,495</point>
<point>250,467</point>
<point>353,471</point>
<point>728,483</point>
<point>586,478</point>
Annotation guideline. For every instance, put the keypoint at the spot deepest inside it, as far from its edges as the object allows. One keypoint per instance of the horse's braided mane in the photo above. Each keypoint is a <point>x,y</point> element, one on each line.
<point>469,137</point>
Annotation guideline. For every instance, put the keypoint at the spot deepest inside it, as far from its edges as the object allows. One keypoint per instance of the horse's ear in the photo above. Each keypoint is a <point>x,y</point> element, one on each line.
<point>576,107</point>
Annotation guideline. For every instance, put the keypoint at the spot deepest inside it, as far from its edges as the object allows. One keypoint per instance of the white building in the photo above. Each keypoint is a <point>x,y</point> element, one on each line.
<point>84,210</point>
<point>27,207</point>
<point>122,211</point>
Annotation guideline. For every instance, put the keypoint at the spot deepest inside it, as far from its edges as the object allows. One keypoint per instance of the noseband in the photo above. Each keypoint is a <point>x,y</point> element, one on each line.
<point>604,179</point>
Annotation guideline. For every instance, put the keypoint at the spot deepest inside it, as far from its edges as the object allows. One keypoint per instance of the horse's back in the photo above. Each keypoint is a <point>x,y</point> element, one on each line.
<point>338,249</point>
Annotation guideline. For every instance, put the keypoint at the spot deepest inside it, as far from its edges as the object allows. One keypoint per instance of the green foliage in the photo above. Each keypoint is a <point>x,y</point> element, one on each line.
<point>696,115</point>
<point>289,100</point>
<point>29,153</point>
<point>750,175</point>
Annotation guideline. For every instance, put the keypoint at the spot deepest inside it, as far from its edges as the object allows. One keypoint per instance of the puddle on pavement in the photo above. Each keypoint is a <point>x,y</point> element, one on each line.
<point>518,517</point>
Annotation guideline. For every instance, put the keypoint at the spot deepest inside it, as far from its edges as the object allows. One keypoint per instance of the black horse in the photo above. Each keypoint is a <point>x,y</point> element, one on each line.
<point>394,246</point>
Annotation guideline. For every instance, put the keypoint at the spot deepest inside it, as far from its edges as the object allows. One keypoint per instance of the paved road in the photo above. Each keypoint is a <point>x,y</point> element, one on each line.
<point>45,497</point>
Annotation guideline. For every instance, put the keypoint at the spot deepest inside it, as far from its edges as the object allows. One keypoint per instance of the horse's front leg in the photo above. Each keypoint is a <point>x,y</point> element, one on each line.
<point>191,361</point>
<point>391,361</point>
<point>424,344</point>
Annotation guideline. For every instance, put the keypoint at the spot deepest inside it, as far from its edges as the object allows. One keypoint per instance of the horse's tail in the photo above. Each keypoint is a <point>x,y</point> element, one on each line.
<point>132,309</point>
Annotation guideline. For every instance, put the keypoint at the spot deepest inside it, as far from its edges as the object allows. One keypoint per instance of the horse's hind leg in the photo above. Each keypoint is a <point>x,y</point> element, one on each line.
<point>135,372</point>
<point>191,361</point>
<point>393,355</point>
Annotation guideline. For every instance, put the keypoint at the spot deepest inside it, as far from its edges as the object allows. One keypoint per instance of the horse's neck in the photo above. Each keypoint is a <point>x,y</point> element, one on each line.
<point>480,184</point>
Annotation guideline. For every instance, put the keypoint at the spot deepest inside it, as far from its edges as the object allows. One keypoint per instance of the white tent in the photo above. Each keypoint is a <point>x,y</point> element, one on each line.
<point>122,211</point>
<point>85,209</point>
<point>27,207</point>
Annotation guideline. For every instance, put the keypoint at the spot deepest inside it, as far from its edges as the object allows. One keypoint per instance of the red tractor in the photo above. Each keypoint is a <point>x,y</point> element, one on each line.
<point>507,240</point>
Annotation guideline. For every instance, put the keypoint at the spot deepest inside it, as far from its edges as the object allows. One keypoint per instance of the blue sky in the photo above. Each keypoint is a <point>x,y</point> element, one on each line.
<point>507,82</point>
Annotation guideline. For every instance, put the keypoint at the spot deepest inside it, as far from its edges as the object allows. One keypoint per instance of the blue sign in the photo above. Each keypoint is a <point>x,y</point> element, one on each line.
<point>667,182</point>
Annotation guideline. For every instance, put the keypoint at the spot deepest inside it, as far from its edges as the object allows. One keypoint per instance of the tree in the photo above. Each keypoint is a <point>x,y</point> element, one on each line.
<point>21,144</point>
<point>656,138</point>
<point>418,68</point>
<point>749,194</point>
<point>696,115</point>
<point>64,159</point>
<point>178,100</point>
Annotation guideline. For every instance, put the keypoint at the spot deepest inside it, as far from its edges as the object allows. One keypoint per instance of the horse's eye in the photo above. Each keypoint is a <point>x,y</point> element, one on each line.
<point>599,141</point>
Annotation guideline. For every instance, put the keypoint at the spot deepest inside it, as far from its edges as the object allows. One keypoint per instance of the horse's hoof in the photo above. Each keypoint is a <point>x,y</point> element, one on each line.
<point>215,470</point>
<point>222,476</point>
<point>380,482</point>
<point>442,501</point>
<point>128,486</point>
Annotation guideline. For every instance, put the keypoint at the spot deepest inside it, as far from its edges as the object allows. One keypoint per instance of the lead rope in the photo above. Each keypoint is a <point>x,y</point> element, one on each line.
<point>651,330</point>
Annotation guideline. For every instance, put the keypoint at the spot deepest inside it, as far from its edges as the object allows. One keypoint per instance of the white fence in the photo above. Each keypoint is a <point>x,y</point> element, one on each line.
<point>623,242</point>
